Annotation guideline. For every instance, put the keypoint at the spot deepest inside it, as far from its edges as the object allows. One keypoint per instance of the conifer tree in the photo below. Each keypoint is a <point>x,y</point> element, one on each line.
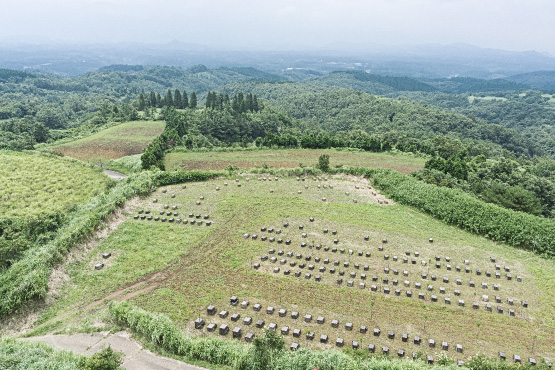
<point>193,100</point>
<point>158,100</point>
<point>226,99</point>
<point>248,103</point>
<point>152,99</point>
<point>142,102</point>
<point>255,104</point>
<point>209,100</point>
<point>169,99</point>
<point>219,101</point>
<point>235,105</point>
<point>177,101</point>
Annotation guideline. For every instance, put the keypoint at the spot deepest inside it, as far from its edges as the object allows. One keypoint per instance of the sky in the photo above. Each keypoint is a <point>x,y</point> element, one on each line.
<point>287,24</point>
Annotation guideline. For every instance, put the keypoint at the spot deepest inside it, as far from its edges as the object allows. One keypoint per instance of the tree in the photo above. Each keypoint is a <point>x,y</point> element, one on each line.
<point>185,100</point>
<point>177,101</point>
<point>193,100</point>
<point>142,102</point>
<point>169,99</point>
<point>152,100</point>
<point>324,162</point>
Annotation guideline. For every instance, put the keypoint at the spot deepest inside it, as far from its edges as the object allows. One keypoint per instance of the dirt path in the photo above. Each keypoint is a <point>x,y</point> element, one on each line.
<point>115,174</point>
<point>136,357</point>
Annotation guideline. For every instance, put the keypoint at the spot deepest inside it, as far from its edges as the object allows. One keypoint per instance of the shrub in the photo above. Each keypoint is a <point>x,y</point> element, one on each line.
<point>324,162</point>
<point>106,359</point>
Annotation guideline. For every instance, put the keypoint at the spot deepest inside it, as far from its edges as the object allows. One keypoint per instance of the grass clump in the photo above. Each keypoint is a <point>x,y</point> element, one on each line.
<point>20,355</point>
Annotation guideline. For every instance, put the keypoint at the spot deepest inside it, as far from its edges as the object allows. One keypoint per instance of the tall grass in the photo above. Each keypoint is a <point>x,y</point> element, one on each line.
<point>27,278</point>
<point>20,355</point>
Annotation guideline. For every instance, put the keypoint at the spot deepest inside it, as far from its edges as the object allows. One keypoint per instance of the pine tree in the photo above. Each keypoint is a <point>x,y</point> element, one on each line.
<point>177,102</point>
<point>255,104</point>
<point>248,102</point>
<point>193,100</point>
<point>235,104</point>
<point>158,100</point>
<point>142,102</point>
<point>219,102</point>
<point>226,99</point>
<point>185,100</point>
<point>169,99</point>
<point>209,100</point>
<point>152,99</point>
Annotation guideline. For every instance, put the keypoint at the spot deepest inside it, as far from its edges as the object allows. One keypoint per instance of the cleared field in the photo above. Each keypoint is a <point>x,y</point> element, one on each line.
<point>289,158</point>
<point>180,268</point>
<point>115,142</point>
<point>36,184</point>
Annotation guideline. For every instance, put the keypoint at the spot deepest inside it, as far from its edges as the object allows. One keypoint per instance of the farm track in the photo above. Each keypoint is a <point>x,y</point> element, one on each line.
<point>159,278</point>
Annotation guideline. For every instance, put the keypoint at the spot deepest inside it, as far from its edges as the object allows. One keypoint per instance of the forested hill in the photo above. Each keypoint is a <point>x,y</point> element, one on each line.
<point>337,110</point>
<point>32,103</point>
<point>36,107</point>
<point>541,80</point>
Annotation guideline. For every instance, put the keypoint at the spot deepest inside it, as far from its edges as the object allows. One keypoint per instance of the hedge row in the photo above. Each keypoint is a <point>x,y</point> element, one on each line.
<point>454,207</point>
<point>161,331</point>
<point>27,278</point>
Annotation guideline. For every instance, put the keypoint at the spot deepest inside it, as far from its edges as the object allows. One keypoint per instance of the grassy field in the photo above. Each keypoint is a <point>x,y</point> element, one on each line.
<point>289,158</point>
<point>115,142</point>
<point>180,268</point>
<point>35,184</point>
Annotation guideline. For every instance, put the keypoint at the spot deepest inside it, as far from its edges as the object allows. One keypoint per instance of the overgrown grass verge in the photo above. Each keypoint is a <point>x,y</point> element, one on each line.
<point>454,207</point>
<point>20,355</point>
<point>27,278</point>
<point>161,331</point>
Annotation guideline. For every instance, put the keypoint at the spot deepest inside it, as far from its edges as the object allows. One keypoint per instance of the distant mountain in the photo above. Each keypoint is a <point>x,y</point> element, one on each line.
<point>466,84</point>
<point>420,61</point>
<point>373,84</point>
<point>541,80</point>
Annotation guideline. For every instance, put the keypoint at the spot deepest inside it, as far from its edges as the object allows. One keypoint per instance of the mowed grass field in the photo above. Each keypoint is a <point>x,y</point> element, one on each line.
<point>34,184</point>
<point>115,142</point>
<point>289,158</point>
<point>181,268</point>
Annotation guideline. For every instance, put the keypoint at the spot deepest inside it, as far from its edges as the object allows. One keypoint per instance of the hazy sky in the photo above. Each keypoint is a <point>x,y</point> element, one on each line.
<point>505,24</point>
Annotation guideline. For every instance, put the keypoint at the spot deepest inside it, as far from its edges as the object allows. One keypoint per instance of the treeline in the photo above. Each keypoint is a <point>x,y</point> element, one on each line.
<point>239,103</point>
<point>333,110</point>
<point>518,184</point>
<point>212,128</point>
<point>177,100</point>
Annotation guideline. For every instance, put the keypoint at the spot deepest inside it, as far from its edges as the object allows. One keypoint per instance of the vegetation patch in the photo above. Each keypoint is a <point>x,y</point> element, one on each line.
<point>35,356</point>
<point>38,191</point>
<point>179,267</point>
<point>289,158</point>
<point>126,139</point>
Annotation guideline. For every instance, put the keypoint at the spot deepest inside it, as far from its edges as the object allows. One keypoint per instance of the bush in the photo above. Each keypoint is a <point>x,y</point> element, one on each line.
<point>106,359</point>
<point>324,162</point>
